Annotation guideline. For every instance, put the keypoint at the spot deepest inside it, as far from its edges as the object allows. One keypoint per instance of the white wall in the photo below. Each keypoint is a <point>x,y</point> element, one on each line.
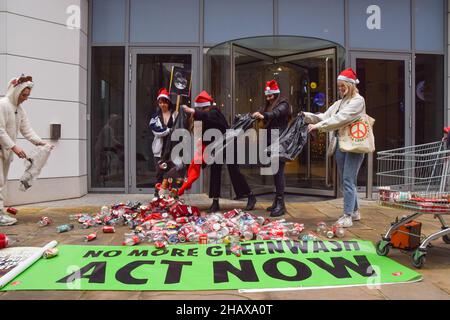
<point>40,44</point>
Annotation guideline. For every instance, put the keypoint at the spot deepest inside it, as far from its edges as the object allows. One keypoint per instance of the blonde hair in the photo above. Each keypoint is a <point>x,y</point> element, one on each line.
<point>351,89</point>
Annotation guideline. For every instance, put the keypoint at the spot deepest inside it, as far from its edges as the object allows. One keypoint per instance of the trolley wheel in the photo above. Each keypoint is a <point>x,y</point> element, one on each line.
<point>418,259</point>
<point>446,239</point>
<point>383,247</point>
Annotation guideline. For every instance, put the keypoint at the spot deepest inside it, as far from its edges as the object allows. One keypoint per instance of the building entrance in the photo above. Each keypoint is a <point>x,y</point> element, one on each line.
<point>306,71</point>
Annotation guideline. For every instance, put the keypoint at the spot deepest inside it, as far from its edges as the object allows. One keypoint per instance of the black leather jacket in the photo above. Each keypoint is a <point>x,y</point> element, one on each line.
<point>278,117</point>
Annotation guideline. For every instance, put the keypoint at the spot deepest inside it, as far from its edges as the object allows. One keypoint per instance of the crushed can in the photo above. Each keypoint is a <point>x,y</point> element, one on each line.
<point>4,241</point>
<point>108,229</point>
<point>203,239</point>
<point>50,253</point>
<point>44,221</point>
<point>12,211</point>
<point>90,237</point>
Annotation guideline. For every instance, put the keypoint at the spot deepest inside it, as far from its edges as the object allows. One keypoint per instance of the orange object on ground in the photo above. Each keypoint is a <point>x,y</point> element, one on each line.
<point>407,237</point>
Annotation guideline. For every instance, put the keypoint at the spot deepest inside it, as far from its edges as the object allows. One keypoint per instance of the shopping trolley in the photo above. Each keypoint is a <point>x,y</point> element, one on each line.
<point>416,179</point>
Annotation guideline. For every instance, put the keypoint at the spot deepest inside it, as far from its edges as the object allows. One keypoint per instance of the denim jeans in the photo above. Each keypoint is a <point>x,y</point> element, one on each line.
<point>348,164</point>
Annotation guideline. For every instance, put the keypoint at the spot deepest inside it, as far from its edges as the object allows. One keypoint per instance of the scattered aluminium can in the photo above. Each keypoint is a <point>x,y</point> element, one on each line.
<point>3,241</point>
<point>108,229</point>
<point>50,253</point>
<point>90,237</point>
<point>12,211</point>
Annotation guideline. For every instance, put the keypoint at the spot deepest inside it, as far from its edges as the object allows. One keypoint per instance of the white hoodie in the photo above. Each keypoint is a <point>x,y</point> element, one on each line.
<point>13,119</point>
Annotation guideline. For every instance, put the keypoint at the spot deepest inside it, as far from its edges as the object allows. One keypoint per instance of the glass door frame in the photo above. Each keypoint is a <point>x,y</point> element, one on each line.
<point>409,100</point>
<point>263,58</point>
<point>330,167</point>
<point>131,110</point>
<point>239,49</point>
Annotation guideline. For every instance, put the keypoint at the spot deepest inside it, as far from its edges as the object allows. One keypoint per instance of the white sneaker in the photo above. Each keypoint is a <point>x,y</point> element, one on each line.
<point>6,220</point>
<point>356,216</point>
<point>345,221</point>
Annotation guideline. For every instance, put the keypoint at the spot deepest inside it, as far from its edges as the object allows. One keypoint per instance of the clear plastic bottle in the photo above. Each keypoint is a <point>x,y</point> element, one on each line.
<point>64,228</point>
<point>131,240</point>
<point>75,217</point>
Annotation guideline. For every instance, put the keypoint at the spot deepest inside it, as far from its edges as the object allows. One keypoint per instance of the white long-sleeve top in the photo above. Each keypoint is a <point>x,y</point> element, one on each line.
<point>332,119</point>
<point>14,119</point>
<point>338,115</point>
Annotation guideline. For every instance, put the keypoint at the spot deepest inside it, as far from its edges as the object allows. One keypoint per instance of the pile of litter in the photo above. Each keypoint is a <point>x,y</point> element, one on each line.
<point>167,220</point>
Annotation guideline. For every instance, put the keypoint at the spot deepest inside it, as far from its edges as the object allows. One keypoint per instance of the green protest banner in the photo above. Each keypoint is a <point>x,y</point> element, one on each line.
<point>262,265</point>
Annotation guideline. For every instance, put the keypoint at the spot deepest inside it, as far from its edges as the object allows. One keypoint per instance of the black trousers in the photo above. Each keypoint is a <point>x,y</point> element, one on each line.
<point>240,185</point>
<point>159,172</point>
<point>279,179</point>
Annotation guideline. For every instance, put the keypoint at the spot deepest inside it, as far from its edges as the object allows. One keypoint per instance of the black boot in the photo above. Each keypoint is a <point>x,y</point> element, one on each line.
<point>251,201</point>
<point>274,204</point>
<point>280,208</point>
<point>214,206</point>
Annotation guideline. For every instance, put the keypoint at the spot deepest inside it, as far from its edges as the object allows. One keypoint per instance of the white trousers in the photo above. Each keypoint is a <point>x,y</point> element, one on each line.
<point>4,168</point>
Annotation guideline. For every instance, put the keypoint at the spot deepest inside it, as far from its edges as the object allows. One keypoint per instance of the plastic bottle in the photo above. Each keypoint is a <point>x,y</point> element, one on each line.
<point>339,231</point>
<point>321,228</point>
<point>64,228</point>
<point>104,211</point>
<point>131,240</point>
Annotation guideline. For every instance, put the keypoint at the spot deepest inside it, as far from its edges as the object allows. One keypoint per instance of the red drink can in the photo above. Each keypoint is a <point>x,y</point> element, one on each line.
<point>3,241</point>
<point>108,229</point>
<point>90,237</point>
<point>230,214</point>
<point>182,220</point>
<point>12,211</point>
<point>203,239</point>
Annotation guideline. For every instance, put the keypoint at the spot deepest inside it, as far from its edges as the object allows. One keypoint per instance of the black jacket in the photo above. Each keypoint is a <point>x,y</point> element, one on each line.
<point>212,119</point>
<point>278,117</point>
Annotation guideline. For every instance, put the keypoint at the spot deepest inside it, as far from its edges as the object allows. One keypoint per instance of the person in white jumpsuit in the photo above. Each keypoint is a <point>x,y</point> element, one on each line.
<point>13,119</point>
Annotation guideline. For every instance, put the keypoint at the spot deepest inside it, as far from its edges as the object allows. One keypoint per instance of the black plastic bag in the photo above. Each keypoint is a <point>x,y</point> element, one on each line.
<point>291,141</point>
<point>243,121</point>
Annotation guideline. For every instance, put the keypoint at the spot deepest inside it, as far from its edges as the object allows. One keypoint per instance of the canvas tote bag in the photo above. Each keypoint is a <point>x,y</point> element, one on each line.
<point>357,137</point>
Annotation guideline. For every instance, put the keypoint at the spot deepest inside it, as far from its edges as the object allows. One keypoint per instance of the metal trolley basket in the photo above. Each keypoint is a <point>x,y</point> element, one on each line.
<point>416,179</point>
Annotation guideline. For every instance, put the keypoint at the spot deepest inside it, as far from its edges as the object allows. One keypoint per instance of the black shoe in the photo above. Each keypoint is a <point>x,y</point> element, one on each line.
<point>274,203</point>
<point>214,206</point>
<point>251,201</point>
<point>280,208</point>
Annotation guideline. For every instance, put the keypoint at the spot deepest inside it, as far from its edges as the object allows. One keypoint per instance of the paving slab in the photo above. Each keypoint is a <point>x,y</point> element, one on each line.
<point>375,221</point>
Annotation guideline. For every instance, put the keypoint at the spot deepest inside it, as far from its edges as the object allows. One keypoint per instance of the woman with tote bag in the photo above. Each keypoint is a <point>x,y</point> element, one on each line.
<point>350,136</point>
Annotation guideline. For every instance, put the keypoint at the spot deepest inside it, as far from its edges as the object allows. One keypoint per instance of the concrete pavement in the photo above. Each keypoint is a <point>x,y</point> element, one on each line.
<point>375,219</point>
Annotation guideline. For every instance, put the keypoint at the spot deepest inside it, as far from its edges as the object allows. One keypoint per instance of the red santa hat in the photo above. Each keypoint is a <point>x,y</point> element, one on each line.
<point>447,130</point>
<point>203,100</point>
<point>348,75</point>
<point>163,93</point>
<point>271,87</point>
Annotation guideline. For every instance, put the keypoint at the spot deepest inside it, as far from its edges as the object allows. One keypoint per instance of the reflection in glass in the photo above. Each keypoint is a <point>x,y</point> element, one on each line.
<point>382,84</point>
<point>107,122</point>
<point>429,93</point>
<point>306,80</point>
